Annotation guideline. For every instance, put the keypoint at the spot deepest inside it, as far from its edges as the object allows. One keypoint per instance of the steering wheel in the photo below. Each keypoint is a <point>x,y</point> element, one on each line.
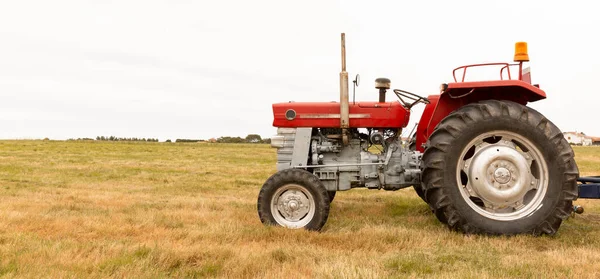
<point>414,98</point>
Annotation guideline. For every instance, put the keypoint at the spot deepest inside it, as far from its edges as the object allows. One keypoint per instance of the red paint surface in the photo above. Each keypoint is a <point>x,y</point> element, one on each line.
<point>422,134</point>
<point>394,115</point>
<point>513,90</point>
<point>380,115</point>
<point>500,87</point>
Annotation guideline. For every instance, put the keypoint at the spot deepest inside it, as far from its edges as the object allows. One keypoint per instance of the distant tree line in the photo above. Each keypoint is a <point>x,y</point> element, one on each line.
<point>251,138</point>
<point>113,138</point>
<point>187,140</point>
<point>80,139</point>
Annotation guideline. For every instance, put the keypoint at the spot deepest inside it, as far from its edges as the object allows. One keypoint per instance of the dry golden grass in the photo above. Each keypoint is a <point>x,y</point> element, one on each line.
<point>97,209</point>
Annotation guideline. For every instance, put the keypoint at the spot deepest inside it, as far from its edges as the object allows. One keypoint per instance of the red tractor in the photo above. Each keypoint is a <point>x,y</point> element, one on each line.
<point>482,159</point>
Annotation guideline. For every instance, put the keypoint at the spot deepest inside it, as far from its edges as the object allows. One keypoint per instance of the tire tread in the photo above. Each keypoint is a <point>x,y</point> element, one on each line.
<point>437,147</point>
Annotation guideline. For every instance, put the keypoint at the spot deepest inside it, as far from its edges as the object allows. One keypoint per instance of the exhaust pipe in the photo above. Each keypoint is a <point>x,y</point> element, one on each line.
<point>344,108</point>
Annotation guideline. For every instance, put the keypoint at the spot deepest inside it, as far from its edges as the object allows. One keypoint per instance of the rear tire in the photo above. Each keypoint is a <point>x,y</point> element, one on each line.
<point>331,195</point>
<point>293,198</point>
<point>498,167</point>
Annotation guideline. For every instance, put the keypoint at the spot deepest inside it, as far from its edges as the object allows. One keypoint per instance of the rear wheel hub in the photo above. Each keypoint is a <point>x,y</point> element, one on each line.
<point>499,174</point>
<point>502,175</point>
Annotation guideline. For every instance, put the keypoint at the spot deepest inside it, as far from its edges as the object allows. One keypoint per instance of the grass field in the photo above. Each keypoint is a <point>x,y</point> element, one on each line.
<point>101,209</point>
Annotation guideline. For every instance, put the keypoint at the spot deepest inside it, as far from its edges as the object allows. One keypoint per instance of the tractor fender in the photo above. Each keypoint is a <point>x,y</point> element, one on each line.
<point>460,94</point>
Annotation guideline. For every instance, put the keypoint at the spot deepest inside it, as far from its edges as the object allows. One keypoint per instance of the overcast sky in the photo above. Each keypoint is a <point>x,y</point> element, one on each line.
<point>202,69</point>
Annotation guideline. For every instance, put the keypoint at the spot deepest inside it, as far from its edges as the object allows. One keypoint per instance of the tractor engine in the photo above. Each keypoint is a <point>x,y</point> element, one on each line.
<point>376,159</point>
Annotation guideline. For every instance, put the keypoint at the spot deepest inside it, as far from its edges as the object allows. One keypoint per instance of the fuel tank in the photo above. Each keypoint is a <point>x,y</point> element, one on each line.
<point>327,115</point>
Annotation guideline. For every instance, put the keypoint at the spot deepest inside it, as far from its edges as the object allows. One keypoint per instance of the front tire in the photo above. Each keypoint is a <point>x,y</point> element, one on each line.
<point>294,198</point>
<point>498,167</point>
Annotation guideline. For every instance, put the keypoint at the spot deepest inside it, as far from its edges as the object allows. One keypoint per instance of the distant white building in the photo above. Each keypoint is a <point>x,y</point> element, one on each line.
<point>576,138</point>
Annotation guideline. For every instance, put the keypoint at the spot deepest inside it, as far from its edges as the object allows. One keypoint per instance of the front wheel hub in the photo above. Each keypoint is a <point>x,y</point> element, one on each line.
<point>293,206</point>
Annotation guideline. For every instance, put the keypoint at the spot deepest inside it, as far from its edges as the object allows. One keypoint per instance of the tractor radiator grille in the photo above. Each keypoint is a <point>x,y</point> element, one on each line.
<point>284,141</point>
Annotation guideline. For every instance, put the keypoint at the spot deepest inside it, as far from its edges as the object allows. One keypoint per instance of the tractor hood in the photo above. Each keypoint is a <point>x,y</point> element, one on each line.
<point>327,115</point>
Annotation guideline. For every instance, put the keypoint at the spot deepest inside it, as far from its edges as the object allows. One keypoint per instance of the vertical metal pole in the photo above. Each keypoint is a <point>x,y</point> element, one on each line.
<point>343,52</point>
<point>520,70</point>
<point>344,109</point>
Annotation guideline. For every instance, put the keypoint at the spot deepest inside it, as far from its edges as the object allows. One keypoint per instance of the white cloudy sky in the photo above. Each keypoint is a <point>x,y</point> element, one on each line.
<point>201,69</point>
